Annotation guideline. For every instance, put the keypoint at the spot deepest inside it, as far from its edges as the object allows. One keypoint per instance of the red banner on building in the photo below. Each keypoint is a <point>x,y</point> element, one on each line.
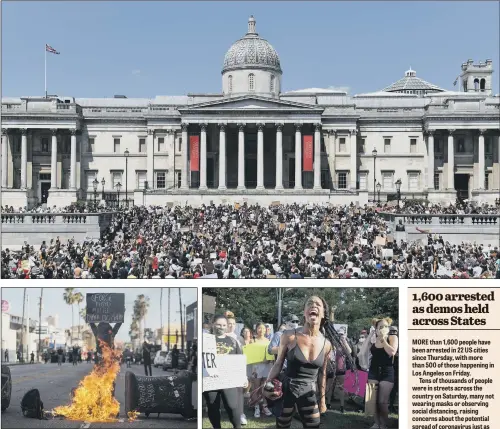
<point>307,153</point>
<point>194,150</point>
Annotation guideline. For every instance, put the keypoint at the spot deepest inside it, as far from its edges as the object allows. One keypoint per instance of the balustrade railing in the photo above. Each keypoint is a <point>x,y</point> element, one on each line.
<point>56,218</point>
<point>442,219</point>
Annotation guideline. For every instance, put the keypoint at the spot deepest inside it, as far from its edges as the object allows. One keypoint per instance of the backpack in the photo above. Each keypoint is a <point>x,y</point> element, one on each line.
<point>32,405</point>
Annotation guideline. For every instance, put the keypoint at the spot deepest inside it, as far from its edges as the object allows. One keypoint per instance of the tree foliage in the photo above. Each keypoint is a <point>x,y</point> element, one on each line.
<point>354,306</point>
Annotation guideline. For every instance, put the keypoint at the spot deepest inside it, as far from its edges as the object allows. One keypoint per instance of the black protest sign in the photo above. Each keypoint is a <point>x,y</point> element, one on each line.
<point>105,307</point>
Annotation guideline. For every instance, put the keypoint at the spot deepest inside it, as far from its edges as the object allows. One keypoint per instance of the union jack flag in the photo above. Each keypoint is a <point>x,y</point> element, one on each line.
<point>50,49</point>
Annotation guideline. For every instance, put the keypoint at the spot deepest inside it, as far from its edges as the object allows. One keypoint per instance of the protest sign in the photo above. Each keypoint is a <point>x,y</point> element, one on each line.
<point>257,353</point>
<point>351,386</point>
<point>380,241</point>
<point>105,307</point>
<point>387,253</point>
<point>231,371</point>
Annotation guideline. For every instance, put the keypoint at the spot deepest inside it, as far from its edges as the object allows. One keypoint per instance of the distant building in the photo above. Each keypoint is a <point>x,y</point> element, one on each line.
<point>253,142</point>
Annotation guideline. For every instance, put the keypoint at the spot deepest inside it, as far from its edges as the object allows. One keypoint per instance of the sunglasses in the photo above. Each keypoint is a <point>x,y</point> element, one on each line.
<point>295,321</point>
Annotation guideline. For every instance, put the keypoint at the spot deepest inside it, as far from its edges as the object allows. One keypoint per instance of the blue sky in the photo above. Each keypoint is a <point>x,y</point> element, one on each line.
<point>144,49</point>
<point>54,304</point>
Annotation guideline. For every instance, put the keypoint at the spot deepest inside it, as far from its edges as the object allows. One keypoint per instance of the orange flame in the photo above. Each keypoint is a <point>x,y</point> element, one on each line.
<point>132,415</point>
<point>93,400</point>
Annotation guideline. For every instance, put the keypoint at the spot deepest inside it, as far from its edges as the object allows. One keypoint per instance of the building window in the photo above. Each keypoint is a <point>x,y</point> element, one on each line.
<point>361,146</point>
<point>116,145</point>
<point>413,181</point>
<point>161,144</point>
<point>116,177</point>
<point>413,145</point>
<point>160,180</point>
<point>387,180</point>
<point>90,147</point>
<point>178,177</point>
<point>342,180</point>
<point>387,145</point>
<point>342,144</point>
<point>179,144</point>
<point>436,181</point>
<point>271,84</point>
<point>251,82</point>
<point>230,83</point>
<point>141,180</point>
<point>45,144</point>
<point>476,84</point>
<point>362,180</point>
<point>461,146</point>
<point>67,145</point>
<point>142,145</point>
<point>90,175</point>
<point>482,85</point>
<point>486,182</point>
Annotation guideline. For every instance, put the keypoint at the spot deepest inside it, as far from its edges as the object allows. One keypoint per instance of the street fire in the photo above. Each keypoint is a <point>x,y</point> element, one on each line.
<point>93,400</point>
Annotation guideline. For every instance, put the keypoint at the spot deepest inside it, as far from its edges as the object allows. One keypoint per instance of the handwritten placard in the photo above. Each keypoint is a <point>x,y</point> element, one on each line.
<point>105,307</point>
<point>231,371</point>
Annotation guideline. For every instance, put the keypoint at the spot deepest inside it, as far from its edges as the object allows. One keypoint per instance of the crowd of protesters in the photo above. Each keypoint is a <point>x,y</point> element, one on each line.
<point>233,241</point>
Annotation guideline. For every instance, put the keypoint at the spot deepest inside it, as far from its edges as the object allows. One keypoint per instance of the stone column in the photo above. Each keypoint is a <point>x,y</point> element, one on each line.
<point>353,159</point>
<point>184,156</point>
<point>203,157</point>
<point>241,157</point>
<point>260,157</point>
<point>481,160</point>
<point>333,150</point>
<point>451,160</point>
<point>222,157</point>
<point>317,157</point>
<point>430,159</point>
<point>150,175</point>
<point>53,160</point>
<point>279,156</point>
<point>298,156</point>
<point>72,183</point>
<point>24,158</point>
<point>5,157</point>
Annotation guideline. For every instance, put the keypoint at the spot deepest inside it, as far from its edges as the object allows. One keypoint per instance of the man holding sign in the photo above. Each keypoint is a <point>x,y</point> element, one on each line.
<point>224,372</point>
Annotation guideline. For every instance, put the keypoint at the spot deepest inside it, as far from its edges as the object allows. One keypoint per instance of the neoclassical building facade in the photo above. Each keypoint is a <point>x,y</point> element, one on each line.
<point>255,143</point>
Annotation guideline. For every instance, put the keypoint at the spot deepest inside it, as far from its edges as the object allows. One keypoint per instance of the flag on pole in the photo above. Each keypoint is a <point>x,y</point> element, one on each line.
<point>50,49</point>
<point>456,80</point>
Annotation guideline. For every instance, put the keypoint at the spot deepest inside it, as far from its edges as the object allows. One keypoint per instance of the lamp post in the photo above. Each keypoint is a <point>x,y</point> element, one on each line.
<point>378,186</point>
<point>374,154</point>
<point>126,153</point>
<point>398,190</point>
<point>118,187</point>
<point>103,182</point>
<point>95,183</point>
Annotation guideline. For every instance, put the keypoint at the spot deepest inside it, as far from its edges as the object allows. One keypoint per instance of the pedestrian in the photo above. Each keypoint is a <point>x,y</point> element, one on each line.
<point>89,356</point>
<point>175,357</point>
<point>18,356</point>
<point>59,356</point>
<point>32,357</point>
<point>104,332</point>
<point>75,355</point>
<point>146,357</point>
<point>6,355</point>
<point>128,358</point>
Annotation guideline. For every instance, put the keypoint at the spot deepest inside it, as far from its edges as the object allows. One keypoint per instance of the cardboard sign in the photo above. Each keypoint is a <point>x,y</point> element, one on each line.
<point>208,355</point>
<point>363,242</point>
<point>328,257</point>
<point>275,203</point>
<point>310,252</point>
<point>282,226</point>
<point>257,353</point>
<point>387,253</point>
<point>237,206</point>
<point>230,371</point>
<point>105,307</point>
<point>390,239</point>
<point>380,241</point>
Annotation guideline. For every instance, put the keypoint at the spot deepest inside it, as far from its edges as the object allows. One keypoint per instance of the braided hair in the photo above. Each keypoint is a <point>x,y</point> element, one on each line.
<point>328,330</point>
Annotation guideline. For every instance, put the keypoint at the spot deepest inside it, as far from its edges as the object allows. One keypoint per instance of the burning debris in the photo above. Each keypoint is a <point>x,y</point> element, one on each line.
<point>93,400</point>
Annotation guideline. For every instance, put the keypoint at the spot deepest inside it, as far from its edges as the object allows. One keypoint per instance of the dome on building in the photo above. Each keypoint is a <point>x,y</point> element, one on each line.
<point>411,84</point>
<point>252,52</point>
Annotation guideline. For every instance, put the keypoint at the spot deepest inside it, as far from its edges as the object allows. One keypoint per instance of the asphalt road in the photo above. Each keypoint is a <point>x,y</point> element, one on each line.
<point>55,383</point>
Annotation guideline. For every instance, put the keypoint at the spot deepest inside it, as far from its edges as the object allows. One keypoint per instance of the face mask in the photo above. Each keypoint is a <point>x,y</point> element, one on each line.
<point>219,331</point>
<point>384,331</point>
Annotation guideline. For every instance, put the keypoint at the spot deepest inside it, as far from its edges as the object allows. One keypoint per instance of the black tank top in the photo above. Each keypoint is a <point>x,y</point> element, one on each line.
<point>379,357</point>
<point>301,369</point>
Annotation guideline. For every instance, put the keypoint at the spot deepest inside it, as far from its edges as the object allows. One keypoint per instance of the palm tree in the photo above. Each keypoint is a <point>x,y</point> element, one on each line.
<point>78,299</point>
<point>141,306</point>
<point>69,298</point>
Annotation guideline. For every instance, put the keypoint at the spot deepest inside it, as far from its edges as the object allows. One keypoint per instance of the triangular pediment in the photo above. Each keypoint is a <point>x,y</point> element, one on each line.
<point>251,103</point>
